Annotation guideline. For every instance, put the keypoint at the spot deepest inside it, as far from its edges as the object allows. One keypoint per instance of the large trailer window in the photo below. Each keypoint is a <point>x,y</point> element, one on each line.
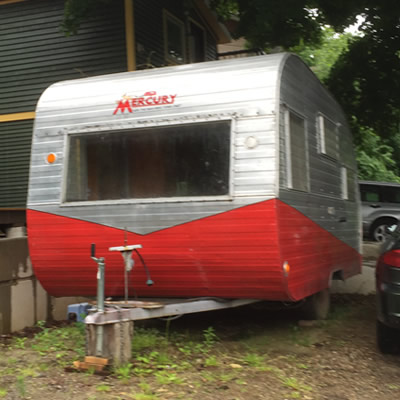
<point>172,161</point>
<point>297,170</point>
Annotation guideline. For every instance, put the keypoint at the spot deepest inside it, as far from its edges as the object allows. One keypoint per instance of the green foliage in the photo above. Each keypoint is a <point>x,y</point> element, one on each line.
<point>77,11</point>
<point>272,23</point>
<point>321,58</point>
<point>375,158</point>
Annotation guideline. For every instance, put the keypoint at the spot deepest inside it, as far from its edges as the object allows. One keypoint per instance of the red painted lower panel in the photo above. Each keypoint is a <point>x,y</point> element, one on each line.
<point>237,254</point>
<point>312,253</point>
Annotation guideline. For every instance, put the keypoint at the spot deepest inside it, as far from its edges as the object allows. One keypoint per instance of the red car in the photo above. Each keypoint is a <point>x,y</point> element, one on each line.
<point>388,295</point>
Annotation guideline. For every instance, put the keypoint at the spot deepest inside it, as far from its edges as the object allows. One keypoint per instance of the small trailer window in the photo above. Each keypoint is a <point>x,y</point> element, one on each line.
<point>171,161</point>
<point>327,137</point>
<point>348,184</point>
<point>297,170</point>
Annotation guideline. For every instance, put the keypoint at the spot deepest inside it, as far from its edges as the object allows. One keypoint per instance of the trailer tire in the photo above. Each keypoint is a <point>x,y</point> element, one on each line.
<point>387,339</point>
<point>316,306</point>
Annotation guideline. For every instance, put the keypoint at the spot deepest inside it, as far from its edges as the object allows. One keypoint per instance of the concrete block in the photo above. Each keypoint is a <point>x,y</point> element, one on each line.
<point>22,305</point>
<point>117,341</point>
<point>14,259</point>
<point>5,309</point>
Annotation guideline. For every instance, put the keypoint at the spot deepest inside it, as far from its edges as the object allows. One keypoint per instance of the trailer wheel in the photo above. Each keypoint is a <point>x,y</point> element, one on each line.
<point>387,339</point>
<point>316,306</point>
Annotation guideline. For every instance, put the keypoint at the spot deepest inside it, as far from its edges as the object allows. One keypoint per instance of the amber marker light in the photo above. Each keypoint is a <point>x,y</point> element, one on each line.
<point>286,268</point>
<point>51,158</point>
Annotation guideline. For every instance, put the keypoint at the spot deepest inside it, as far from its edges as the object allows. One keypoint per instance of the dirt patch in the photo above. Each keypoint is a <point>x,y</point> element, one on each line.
<point>245,353</point>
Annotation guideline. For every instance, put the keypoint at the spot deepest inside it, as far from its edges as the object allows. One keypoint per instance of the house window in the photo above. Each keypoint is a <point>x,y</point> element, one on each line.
<point>327,137</point>
<point>172,161</point>
<point>297,169</point>
<point>197,42</point>
<point>174,34</point>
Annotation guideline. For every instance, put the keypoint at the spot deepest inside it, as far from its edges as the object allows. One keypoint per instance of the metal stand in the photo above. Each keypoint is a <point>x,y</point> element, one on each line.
<point>126,252</point>
<point>100,299</point>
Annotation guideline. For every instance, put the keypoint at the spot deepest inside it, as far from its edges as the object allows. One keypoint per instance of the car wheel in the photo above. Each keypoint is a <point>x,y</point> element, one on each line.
<point>379,229</point>
<point>316,306</point>
<point>387,338</point>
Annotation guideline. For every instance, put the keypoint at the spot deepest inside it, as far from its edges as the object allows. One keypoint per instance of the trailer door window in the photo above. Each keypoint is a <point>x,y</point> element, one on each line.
<point>297,170</point>
<point>173,161</point>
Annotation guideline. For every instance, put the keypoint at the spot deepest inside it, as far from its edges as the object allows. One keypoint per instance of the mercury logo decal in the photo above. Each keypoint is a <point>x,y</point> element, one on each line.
<point>149,99</point>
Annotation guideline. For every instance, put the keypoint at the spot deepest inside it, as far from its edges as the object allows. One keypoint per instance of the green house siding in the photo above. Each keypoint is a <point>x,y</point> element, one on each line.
<point>34,53</point>
<point>15,150</point>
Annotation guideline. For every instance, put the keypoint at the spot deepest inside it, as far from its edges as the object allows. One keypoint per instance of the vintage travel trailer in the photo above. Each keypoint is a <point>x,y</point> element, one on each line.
<point>237,178</point>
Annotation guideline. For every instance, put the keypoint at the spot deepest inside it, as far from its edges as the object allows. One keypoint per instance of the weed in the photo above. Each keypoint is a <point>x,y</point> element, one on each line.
<point>28,372</point>
<point>210,338</point>
<point>103,388</point>
<point>211,362</point>
<point>393,387</point>
<point>302,366</point>
<point>3,392</point>
<point>254,360</point>
<point>59,340</point>
<point>21,386</point>
<point>145,396</point>
<point>299,337</point>
<point>207,377</point>
<point>123,372</point>
<point>146,388</point>
<point>147,339</point>
<point>227,377</point>
<point>167,378</point>
<point>44,367</point>
<point>19,343</point>
<point>293,383</point>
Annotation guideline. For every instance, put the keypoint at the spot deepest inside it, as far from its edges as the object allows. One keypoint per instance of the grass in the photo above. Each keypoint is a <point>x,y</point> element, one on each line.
<point>182,360</point>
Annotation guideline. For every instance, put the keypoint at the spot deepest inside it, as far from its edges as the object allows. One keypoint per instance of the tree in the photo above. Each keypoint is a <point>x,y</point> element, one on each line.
<point>321,58</point>
<point>365,77</point>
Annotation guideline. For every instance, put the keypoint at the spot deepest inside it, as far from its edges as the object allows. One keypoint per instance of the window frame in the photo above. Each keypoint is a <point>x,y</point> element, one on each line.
<point>169,17</point>
<point>289,172</point>
<point>190,43</point>
<point>322,148</point>
<point>176,199</point>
